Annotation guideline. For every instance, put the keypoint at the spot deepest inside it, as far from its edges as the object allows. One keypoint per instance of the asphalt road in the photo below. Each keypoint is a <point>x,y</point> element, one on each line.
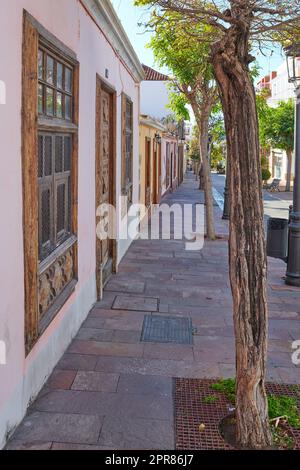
<point>274,205</point>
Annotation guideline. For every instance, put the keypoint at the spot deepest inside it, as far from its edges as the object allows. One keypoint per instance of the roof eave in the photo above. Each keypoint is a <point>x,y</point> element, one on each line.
<point>108,21</point>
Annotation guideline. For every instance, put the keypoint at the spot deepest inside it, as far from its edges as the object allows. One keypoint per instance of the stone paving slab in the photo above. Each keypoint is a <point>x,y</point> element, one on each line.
<point>106,348</point>
<point>145,384</point>
<point>76,362</point>
<point>126,302</point>
<point>109,390</point>
<point>16,444</point>
<point>60,427</point>
<point>61,379</point>
<point>135,434</point>
<point>95,381</point>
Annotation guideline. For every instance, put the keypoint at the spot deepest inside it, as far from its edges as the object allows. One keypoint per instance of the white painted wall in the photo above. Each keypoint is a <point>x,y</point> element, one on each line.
<point>21,378</point>
<point>154,99</point>
<point>281,90</point>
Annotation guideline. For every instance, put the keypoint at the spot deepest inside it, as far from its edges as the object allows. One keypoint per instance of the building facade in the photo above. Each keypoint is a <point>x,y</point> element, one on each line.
<point>69,145</point>
<point>154,94</point>
<point>156,119</point>
<point>151,157</point>
<point>170,167</point>
<point>279,89</point>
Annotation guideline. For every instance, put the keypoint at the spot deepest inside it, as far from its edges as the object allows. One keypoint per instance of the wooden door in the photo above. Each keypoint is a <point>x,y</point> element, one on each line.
<point>147,172</point>
<point>168,179</point>
<point>154,174</point>
<point>159,181</point>
<point>104,181</point>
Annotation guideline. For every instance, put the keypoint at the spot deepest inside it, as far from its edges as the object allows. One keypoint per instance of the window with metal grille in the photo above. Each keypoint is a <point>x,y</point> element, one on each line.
<point>54,171</point>
<point>127,157</point>
<point>55,109</point>
<point>50,115</point>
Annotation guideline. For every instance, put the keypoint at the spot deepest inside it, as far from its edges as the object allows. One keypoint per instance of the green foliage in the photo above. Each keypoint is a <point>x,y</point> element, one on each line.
<point>226,386</point>
<point>281,439</point>
<point>278,405</point>
<point>176,46</point>
<point>265,174</point>
<point>284,406</point>
<point>276,125</point>
<point>264,112</point>
<point>217,156</point>
<point>194,152</point>
<point>264,162</point>
<point>178,104</point>
<point>281,133</point>
<point>210,399</point>
<point>217,132</point>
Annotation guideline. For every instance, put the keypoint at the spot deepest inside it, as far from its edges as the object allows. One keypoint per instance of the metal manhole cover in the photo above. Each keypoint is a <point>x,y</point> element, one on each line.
<point>165,329</point>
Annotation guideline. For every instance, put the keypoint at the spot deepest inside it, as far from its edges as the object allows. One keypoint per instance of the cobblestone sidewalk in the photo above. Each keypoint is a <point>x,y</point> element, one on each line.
<point>112,391</point>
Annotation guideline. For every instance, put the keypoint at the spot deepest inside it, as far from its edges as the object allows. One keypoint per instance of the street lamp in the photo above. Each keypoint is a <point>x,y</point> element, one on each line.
<point>293,266</point>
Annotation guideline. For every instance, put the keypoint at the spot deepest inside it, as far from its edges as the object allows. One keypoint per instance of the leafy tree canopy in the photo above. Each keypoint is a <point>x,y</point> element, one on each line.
<point>276,125</point>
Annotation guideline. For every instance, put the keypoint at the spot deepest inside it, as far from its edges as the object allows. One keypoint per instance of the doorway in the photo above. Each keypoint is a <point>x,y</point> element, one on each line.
<point>105,183</point>
<point>148,172</point>
<point>154,174</point>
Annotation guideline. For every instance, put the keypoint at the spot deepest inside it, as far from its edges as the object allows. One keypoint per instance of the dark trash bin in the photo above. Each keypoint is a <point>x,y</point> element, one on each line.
<point>277,239</point>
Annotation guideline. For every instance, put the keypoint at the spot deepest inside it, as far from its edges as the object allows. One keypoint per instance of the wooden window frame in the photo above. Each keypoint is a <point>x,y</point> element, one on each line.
<point>57,58</point>
<point>34,34</point>
<point>127,187</point>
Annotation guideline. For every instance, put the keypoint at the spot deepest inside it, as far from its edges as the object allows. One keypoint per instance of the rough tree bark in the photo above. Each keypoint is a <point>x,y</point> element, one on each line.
<point>247,254</point>
<point>207,183</point>
<point>202,116</point>
<point>289,170</point>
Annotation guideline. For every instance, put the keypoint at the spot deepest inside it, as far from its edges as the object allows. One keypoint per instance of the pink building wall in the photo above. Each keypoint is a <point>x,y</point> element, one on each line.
<point>21,378</point>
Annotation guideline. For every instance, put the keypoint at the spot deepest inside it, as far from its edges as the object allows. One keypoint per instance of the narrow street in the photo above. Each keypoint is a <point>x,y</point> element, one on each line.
<point>110,390</point>
<point>275,204</point>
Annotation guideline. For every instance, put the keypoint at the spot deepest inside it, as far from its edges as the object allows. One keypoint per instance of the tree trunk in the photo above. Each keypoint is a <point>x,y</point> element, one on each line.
<point>247,254</point>
<point>201,186</point>
<point>197,170</point>
<point>207,183</point>
<point>289,170</point>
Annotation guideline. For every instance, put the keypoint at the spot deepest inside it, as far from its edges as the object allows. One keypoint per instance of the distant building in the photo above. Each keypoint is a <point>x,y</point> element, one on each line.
<point>154,94</point>
<point>151,132</point>
<point>265,82</point>
<point>162,164</point>
<point>280,89</point>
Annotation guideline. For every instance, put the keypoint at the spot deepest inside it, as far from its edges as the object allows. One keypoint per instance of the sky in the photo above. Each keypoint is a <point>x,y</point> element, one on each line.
<point>130,16</point>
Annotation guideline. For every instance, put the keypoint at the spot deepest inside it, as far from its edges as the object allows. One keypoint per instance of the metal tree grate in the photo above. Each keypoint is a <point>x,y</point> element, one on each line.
<point>166,329</point>
<point>192,409</point>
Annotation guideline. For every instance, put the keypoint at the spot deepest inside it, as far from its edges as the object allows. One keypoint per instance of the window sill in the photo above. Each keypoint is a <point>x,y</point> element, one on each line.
<point>46,263</point>
<point>52,123</point>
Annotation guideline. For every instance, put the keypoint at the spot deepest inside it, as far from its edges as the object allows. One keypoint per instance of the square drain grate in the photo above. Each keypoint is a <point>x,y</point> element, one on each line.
<point>165,329</point>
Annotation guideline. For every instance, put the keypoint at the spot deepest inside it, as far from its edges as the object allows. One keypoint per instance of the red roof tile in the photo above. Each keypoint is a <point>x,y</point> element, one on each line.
<point>153,75</point>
